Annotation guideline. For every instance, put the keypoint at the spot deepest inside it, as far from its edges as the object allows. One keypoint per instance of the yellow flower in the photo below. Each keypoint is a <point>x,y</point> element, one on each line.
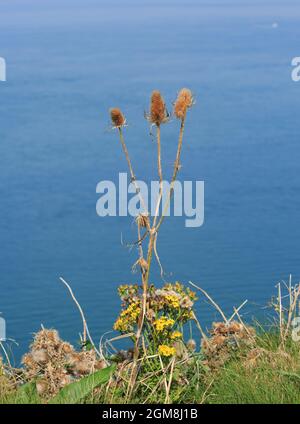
<point>162,323</point>
<point>127,317</point>
<point>165,350</point>
<point>173,300</point>
<point>121,325</point>
<point>132,312</point>
<point>176,335</point>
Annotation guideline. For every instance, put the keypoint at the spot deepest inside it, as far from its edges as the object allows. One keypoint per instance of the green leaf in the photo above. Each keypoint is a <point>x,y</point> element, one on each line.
<point>75,392</point>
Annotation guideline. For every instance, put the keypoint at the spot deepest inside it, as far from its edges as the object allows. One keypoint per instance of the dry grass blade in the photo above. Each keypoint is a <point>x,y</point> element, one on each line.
<point>211,301</point>
<point>236,310</point>
<point>164,371</point>
<point>199,326</point>
<point>85,326</point>
<point>167,400</point>
<point>5,354</point>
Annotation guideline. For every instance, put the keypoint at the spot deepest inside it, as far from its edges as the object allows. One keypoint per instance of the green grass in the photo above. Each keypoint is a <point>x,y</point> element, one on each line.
<point>262,385</point>
<point>274,379</point>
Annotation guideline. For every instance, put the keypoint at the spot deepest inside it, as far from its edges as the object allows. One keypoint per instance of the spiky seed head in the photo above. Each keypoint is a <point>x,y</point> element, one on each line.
<point>46,336</point>
<point>235,327</point>
<point>183,102</point>
<point>40,356</point>
<point>28,361</point>
<point>158,112</point>
<point>73,357</point>
<point>117,117</point>
<point>219,340</point>
<point>66,348</point>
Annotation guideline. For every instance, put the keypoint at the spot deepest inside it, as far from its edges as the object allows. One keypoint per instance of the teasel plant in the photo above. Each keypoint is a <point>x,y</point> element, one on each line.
<point>157,116</point>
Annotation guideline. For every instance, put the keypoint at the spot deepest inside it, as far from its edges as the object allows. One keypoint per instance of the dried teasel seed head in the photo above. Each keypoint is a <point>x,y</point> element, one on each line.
<point>183,102</point>
<point>158,112</point>
<point>117,117</point>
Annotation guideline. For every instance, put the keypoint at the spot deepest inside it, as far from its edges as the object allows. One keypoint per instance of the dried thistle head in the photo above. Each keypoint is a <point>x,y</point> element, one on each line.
<point>226,340</point>
<point>40,356</point>
<point>66,348</point>
<point>158,112</point>
<point>183,102</point>
<point>83,366</point>
<point>117,117</point>
<point>53,363</point>
<point>28,361</point>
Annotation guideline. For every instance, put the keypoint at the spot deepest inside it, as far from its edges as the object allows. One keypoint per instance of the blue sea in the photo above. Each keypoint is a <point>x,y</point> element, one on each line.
<point>68,62</point>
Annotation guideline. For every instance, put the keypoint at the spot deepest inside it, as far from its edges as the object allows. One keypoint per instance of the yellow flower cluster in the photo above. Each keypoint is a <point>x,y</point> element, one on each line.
<point>176,335</point>
<point>162,323</point>
<point>168,309</point>
<point>173,300</point>
<point>121,325</point>
<point>165,350</point>
<point>132,311</point>
<point>127,317</point>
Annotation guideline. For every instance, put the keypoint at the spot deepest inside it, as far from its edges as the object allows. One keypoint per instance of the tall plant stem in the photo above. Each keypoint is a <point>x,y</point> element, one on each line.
<point>132,175</point>
<point>159,156</point>
<point>160,176</point>
<point>140,245</point>
<point>155,227</point>
<point>175,172</point>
